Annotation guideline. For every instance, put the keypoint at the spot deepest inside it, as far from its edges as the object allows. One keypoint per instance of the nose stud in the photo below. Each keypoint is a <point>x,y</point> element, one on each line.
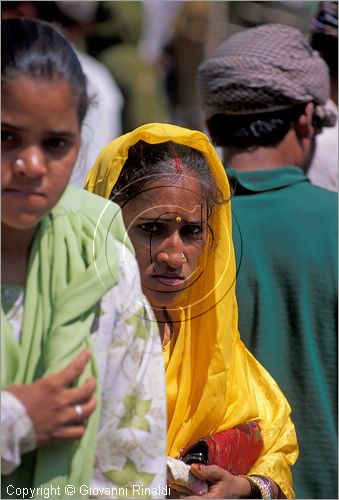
<point>19,164</point>
<point>183,257</point>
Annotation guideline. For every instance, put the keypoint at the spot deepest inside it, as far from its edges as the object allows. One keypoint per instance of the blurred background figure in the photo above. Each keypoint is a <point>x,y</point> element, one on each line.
<point>253,13</point>
<point>182,54</point>
<point>179,34</point>
<point>103,119</point>
<point>159,22</point>
<point>324,38</point>
<point>114,42</point>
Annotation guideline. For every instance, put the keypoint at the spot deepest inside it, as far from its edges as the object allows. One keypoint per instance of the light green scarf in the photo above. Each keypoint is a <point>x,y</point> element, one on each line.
<point>73,262</point>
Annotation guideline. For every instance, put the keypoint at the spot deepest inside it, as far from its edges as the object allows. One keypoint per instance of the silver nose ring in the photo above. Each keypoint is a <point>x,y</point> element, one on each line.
<point>19,164</point>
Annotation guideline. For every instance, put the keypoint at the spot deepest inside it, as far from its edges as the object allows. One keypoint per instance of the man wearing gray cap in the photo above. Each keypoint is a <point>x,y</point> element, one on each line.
<point>264,93</point>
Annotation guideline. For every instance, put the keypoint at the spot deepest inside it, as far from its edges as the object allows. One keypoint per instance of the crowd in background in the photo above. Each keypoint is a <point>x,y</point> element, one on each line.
<point>141,57</point>
<point>152,49</point>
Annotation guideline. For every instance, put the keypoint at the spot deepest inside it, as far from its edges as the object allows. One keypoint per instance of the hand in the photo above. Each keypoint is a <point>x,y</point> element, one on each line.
<point>50,402</point>
<point>222,483</point>
<point>172,493</point>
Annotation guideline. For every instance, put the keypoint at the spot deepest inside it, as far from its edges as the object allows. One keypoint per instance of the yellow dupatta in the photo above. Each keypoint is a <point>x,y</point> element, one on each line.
<point>213,382</point>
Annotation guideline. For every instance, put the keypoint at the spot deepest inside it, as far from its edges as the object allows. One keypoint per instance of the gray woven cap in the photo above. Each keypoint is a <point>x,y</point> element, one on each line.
<point>262,69</point>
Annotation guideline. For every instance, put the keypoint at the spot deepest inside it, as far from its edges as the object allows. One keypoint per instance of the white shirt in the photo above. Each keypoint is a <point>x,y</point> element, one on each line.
<point>323,171</point>
<point>102,123</point>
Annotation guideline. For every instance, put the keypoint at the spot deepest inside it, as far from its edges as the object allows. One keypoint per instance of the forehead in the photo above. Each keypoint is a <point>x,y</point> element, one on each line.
<point>30,100</point>
<point>168,196</point>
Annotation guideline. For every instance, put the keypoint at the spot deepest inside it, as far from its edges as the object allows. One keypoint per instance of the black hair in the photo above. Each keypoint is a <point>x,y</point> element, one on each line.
<point>37,50</point>
<point>261,129</point>
<point>327,46</point>
<point>167,160</point>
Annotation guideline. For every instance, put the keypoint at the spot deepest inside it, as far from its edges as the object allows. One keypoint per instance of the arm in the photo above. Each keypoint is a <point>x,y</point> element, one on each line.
<point>17,432</point>
<point>39,413</point>
<point>131,444</point>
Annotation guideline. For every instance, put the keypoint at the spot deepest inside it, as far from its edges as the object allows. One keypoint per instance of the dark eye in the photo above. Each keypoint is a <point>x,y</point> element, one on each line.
<point>58,144</point>
<point>150,228</point>
<point>192,230</point>
<point>7,137</point>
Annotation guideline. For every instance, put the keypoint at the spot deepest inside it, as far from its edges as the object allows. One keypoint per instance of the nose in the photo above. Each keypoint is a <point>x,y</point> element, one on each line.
<point>171,252</point>
<point>32,163</point>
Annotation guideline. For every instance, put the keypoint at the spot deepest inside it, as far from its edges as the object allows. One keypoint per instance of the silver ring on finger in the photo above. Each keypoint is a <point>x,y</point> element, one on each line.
<point>79,411</point>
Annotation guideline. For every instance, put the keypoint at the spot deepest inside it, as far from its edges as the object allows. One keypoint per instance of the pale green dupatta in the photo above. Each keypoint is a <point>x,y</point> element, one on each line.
<point>73,262</point>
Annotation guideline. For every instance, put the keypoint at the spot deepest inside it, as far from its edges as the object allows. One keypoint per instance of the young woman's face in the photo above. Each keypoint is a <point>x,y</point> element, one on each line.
<point>167,226</point>
<point>40,127</point>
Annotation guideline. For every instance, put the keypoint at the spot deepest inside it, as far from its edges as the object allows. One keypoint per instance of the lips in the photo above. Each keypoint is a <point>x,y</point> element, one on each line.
<point>169,280</point>
<point>23,193</point>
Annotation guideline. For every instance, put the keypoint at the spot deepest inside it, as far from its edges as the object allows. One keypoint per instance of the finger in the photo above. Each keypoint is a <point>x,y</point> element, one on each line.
<point>214,492</point>
<point>74,369</point>
<point>210,494</point>
<point>69,432</point>
<point>210,473</point>
<point>175,494</point>
<point>80,395</point>
<point>70,414</point>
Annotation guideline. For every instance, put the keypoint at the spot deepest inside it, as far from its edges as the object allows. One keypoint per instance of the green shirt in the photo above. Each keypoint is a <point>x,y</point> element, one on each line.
<point>285,237</point>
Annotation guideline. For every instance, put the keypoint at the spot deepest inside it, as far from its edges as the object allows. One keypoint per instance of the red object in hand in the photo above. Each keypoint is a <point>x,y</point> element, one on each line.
<point>235,450</point>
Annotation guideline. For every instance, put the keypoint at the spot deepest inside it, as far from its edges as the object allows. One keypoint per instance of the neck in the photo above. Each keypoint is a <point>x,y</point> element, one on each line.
<point>15,248</point>
<point>165,324</point>
<point>263,158</point>
<point>250,160</point>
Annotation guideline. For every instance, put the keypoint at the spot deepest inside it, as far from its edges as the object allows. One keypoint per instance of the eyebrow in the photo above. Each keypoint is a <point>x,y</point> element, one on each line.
<point>64,133</point>
<point>15,127</point>
<point>160,219</point>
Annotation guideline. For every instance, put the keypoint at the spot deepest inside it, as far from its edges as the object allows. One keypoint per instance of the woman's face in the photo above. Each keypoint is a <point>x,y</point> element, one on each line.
<point>167,226</point>
<point>39,126</point>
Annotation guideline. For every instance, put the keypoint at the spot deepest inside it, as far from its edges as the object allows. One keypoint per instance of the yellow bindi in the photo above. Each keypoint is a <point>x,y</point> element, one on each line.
<point>178,219</point>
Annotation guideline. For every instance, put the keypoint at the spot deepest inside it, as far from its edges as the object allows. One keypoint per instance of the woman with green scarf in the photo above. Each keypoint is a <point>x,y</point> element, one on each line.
<point>83,410</point>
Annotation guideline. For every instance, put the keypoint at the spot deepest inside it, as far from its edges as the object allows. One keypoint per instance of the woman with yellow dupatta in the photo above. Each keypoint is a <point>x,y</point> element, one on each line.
<point>175,201</point>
